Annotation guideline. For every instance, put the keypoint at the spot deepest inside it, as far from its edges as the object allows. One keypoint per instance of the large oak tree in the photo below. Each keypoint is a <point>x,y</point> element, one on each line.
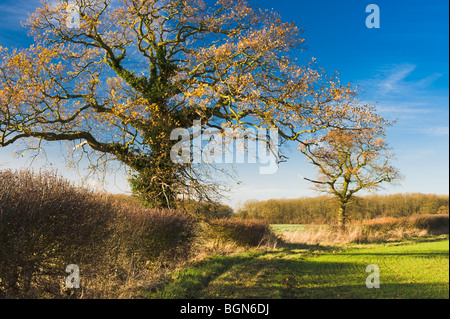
<point>118,83</point>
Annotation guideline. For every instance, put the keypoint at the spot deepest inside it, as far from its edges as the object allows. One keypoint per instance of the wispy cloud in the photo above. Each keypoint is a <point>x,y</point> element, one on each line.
<point>14,12</point>
<point>396,80</point>
<point>438,131</point>
<point>403,92</point>
<point>405,108</point>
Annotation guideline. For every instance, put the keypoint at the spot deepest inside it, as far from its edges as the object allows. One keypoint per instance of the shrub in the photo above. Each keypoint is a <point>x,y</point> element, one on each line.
<point>431,223</point>
<point>206,211</point>
<point>443,210</point>
<point>245,232</point>
<point>151,234</point>
<point>46,223</point>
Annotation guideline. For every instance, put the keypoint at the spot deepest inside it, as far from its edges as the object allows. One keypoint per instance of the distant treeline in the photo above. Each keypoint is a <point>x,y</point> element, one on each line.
<point>323,209</point>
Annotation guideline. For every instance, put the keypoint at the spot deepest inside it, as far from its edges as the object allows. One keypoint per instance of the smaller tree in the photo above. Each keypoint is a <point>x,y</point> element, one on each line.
<point>349,161</point>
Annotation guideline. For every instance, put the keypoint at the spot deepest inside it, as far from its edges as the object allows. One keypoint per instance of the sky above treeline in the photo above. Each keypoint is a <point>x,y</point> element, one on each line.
<point>401,67</point>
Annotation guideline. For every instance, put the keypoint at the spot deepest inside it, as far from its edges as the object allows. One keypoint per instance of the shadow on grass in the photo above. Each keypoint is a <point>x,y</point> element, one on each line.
<point>309,279</point>
<point>286,246</point>
<point>385,291</point>
<point>289,272</point>
<point>262,276</point>
<point>278,279</point>
<point>188,283</point>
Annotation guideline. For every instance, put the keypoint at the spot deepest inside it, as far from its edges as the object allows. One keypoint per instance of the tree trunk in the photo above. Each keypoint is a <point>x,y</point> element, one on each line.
<point>342,217</point>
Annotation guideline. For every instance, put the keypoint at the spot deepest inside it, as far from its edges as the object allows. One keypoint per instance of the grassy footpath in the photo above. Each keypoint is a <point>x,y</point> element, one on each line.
<point>414,268</point>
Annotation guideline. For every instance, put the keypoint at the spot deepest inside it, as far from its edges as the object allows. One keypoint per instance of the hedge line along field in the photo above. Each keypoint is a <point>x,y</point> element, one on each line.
<point>409,269</point>
<point>323,209</point>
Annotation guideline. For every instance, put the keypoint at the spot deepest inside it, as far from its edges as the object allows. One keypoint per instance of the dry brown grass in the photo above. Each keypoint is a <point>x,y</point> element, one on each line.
<point>372,230</point>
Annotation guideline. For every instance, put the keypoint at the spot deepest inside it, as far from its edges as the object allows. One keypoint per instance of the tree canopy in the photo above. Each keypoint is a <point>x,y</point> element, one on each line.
<point>350,161</point>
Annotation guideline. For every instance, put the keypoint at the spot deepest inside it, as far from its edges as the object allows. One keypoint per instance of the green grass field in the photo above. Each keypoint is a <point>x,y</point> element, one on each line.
<point>279,229</point>
<point>413,268</point>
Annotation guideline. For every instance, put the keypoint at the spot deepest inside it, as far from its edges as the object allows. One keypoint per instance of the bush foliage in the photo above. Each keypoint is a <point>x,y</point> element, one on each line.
<point>46,223</point>
<point>207,210</point>
<point>245,232</point>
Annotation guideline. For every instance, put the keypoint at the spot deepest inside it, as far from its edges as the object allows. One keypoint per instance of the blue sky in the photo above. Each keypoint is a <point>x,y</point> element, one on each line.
<point>402,68</point>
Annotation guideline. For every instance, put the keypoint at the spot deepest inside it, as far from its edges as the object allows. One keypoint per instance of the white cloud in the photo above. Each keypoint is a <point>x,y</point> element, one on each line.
<point>410,108</point>
<point>395,78</point>
<point>393,81</point>
<point>438,131</point>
